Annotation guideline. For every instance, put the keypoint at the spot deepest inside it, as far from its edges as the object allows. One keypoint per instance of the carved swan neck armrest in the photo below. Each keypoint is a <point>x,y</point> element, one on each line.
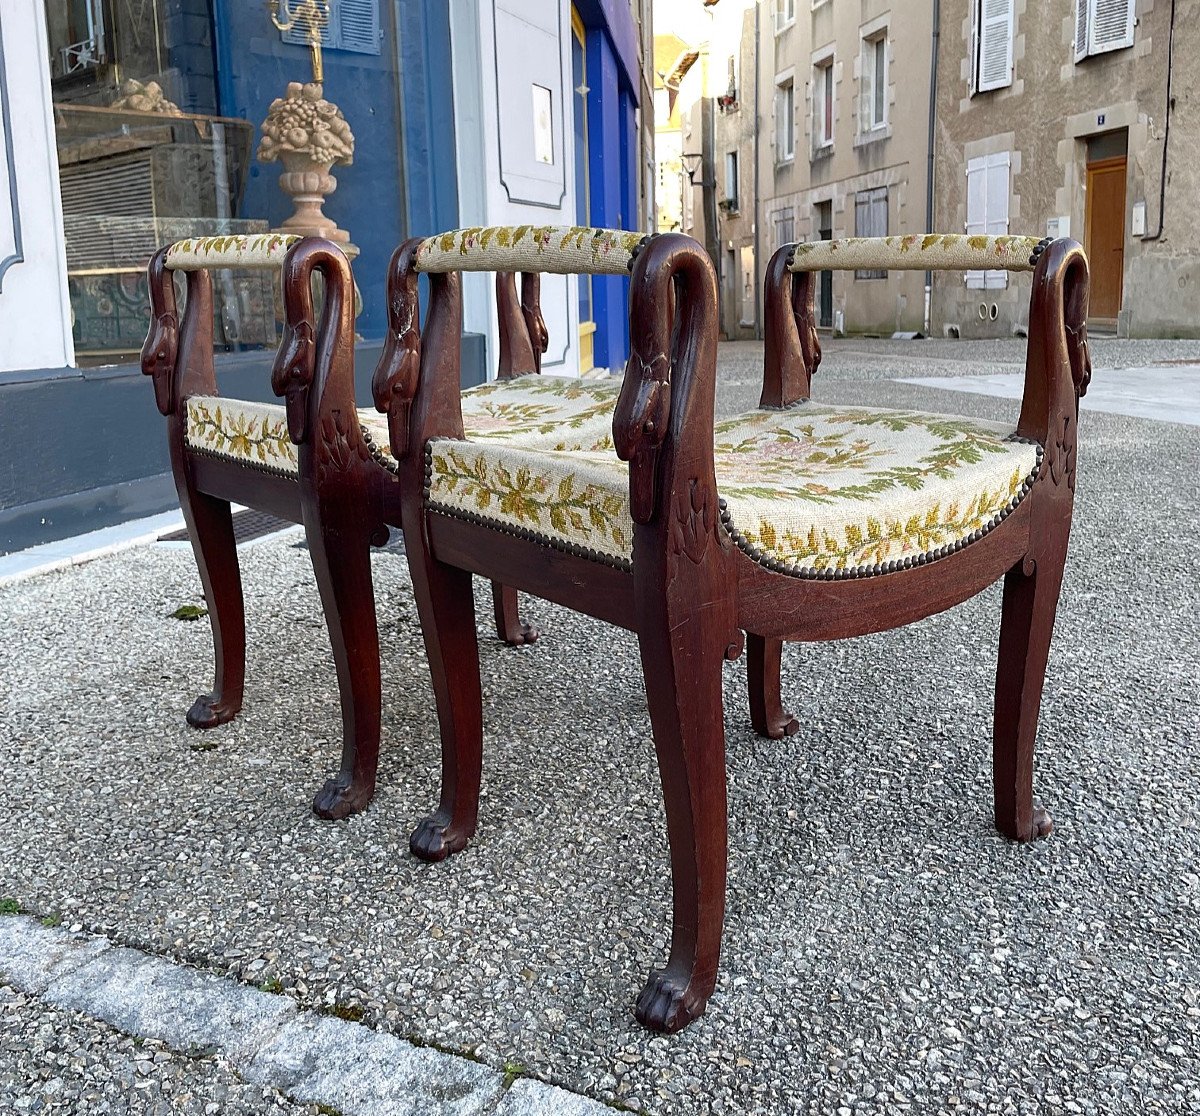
<point>178,355</point>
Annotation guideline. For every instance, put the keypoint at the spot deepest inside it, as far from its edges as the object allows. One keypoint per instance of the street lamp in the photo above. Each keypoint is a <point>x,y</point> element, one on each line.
<point>692,163</point>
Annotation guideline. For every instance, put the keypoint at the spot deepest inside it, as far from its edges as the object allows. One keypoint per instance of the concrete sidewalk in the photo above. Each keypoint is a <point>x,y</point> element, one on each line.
<point>255,1038</point>
<point>885,951</point>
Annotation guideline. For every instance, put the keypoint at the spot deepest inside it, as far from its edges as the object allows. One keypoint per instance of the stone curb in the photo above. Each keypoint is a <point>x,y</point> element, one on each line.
<point>311,1057</point>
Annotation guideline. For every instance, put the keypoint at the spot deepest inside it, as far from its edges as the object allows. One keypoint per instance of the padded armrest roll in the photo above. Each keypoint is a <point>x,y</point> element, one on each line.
<point>556,249</point>
<point>929,252</point>
<point>199,253</point>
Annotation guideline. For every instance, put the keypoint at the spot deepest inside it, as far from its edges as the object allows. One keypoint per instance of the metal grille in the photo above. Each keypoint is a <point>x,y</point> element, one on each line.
<point>108,212</point>
<point>247,524</point>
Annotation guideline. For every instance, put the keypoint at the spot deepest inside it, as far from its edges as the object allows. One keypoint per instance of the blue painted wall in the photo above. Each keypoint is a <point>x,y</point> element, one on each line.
<point>396,102</point>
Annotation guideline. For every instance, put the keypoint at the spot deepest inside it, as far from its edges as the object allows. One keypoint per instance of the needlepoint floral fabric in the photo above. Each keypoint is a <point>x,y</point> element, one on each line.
<point>810,489</point>
<point>538,412</point>
<point>543,412</point>
<point>558,249</point>
<point>931,251</point>
<point>257,250</point>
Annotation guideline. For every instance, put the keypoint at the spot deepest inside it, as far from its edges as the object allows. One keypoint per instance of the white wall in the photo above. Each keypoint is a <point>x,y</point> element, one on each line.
<point>35,314</point>
<point>500,181</point>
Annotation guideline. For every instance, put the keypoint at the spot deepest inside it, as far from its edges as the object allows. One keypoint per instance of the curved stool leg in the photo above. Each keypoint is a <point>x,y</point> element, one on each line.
<point>1026,625</point>
<point>446,606</point>
<point>767,713</point>
<point>683,689</point>
<point>509,626</point>
<point>340,545</point>
<point>210,527</point>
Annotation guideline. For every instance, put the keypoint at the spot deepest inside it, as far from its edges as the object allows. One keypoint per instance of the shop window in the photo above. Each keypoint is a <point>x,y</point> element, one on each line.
<point>158,106</point>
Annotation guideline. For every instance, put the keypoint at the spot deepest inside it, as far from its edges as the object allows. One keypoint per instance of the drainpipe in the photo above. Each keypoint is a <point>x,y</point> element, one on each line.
<point>933,91</point>
<point>1162,186</point>
<point>758,328</point>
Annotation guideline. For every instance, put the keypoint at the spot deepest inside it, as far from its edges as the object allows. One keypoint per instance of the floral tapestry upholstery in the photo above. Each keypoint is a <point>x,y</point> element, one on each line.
<point>257,250</point>
<point>538,412</point>
<point>812,491</point>
<point>543,412</point>
<point>559,249</point>
<point>930,252</point>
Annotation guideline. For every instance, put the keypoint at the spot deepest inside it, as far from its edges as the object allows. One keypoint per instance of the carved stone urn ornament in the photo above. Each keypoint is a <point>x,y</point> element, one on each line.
<point>309,135</point>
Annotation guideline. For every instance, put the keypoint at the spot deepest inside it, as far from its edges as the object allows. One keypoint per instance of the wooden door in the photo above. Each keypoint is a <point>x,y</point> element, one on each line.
<point>1105,236</point>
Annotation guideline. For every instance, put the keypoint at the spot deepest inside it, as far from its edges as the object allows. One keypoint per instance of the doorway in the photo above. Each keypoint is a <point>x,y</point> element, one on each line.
<point>729,282</point>
<point>1104,236</point>
<point>825,284</point>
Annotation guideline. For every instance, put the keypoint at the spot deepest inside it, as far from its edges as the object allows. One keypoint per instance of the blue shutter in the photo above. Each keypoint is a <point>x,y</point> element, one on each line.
<point>358,25</point>
<point>298,35</point>
<point>353,25</point>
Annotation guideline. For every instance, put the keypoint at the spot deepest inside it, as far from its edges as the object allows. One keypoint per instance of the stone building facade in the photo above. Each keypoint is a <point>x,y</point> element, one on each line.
<point>732,122</point>
<point>1079,118</point>
<point>844,94</point>
<point>706,141</point>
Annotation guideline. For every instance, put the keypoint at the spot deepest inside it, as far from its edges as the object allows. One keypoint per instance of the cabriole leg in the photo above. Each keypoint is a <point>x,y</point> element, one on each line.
<point>446,605</point>
<point>339,543</point>
<point>683,689</point>
<point>1026,625</point>
<point>210,527</point>
<point>767,714</point>
<point>509,625</point>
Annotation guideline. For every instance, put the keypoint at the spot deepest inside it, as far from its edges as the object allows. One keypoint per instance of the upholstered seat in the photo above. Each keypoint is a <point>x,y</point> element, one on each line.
<point>543,413</point>
<point>813,491</point>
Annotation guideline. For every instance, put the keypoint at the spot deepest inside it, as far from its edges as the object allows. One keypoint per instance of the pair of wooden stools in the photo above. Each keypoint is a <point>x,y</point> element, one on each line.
<point>795,521</point>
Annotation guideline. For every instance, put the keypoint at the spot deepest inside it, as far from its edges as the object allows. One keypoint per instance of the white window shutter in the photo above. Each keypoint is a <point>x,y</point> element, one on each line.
<point>974,87</point>
<point>997,208</point>
<point>977,210</point>
<point>995,44</point>
<point>1111,25</point>
<point>1081,28</point>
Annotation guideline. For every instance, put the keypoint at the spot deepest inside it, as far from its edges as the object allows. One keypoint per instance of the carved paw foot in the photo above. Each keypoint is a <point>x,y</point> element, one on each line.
<point>667,1003</point>
<point>337,800</point>
<point>1040,825</point>
<point>208,711</point>
<point>1043,823</point>
<point>521,633</point>
<point>781,726</point>
<point>436,838</point>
